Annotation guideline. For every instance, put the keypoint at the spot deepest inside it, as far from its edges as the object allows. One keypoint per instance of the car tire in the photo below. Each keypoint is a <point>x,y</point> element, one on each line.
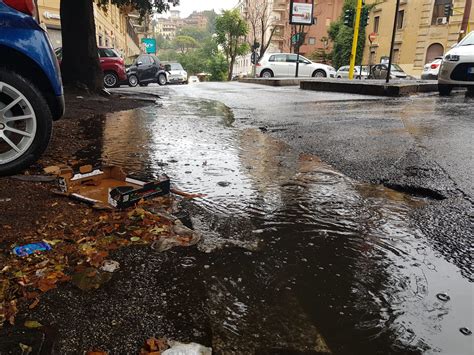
<point>162,79</point>
<point>319,74</point>
<point>444,89</point>
<point>40,122</point>
<point>132,80</point>
<point>111,80</point>
<point>267,73</point>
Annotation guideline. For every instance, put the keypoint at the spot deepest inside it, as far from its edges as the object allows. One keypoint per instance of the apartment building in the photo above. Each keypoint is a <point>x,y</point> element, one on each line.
<point>423,31</point>
<point>170,26</point>
<point>316,36</point>
<point>114,27</point>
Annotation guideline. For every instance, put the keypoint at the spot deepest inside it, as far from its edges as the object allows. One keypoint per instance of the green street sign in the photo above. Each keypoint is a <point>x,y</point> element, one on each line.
<point>297,38</point>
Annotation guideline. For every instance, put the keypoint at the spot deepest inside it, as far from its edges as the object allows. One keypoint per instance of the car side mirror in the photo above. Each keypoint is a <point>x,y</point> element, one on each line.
<point>139,63</point>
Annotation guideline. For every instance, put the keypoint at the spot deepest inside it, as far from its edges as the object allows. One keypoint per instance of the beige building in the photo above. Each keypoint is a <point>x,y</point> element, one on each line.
<point>114,27</point>
<point>423,31</point>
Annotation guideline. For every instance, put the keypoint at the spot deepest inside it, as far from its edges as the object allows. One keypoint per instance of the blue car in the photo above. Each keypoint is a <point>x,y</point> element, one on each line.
<point>31,91</point>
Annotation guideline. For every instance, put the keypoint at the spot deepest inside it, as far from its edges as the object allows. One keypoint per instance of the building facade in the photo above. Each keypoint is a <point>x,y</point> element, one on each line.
<point>423,31</point>
<point>316,36</point>
<point>114,27</point>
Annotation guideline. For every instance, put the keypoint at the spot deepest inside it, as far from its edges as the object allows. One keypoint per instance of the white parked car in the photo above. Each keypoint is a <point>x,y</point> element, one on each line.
<point>457,68</point>
<point>343,72</point>
<point>284,65</point>
<point>193,79</point>
<point>431,70</point>
<point>176,73</point>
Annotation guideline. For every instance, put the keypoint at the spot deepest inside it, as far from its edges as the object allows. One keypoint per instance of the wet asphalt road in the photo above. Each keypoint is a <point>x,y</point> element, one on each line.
<point>420,144</point>
<point>303,250</point>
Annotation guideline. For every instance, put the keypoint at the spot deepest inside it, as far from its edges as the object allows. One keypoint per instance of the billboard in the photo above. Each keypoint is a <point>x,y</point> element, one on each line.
<point>301,12</point>
<point>150,45</point>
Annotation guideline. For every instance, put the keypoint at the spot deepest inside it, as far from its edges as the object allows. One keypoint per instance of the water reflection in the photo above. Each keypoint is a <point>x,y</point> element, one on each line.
<point>327,263</point>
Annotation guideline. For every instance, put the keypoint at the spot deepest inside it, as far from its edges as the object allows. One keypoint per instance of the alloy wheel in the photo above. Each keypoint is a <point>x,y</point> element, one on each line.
<point>133,80</point>
<point>110,80</point>
<point>17,124</point>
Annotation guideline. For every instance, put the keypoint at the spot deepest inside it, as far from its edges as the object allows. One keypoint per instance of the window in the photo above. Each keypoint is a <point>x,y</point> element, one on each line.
<point>145,59</point>
<point>107,53</point>
<point>278,58</point>
<point>439,17</point>
<point>312,40</point>
<point>291,58</point>
<point>100,40</point>
<point>376,24</point>
<point>400,19</point>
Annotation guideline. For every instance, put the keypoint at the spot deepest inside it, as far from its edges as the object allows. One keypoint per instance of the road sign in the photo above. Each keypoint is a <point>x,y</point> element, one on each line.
<point>297,38</point>
<point>301,12</point>
<point>150,45</point>
<point>372,37</point>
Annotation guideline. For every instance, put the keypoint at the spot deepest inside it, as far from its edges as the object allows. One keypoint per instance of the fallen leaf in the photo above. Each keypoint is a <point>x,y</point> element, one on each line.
<point>135,239</point>
<point>34,304</point>
<point>33,324</point>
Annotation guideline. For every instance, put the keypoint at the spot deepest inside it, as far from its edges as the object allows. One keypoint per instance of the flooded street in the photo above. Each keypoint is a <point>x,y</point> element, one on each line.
<point>296,258</point>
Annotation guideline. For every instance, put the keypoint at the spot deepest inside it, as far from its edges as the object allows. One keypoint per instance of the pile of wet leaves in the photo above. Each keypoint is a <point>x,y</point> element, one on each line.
<point>80,252</point>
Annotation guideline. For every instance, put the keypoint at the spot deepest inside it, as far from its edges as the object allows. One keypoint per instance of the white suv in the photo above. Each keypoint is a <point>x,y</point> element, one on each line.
<point>457,68</point>
<point>284,65</point>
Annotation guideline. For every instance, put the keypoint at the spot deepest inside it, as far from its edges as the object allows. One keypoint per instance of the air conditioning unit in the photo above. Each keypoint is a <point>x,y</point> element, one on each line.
<point>441,20</point>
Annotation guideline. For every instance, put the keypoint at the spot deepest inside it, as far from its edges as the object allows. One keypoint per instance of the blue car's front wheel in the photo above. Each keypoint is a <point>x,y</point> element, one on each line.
<point>25,123</point>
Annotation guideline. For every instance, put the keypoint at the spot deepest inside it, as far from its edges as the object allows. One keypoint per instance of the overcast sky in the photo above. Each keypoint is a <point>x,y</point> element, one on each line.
<point>188,6</point>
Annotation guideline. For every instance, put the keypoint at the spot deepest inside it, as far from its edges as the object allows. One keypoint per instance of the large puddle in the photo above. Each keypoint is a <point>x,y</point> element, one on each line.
<point>323,263</point>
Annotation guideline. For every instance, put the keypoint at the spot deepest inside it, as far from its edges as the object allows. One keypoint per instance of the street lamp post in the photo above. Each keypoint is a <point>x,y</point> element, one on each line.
<point>395,20</point>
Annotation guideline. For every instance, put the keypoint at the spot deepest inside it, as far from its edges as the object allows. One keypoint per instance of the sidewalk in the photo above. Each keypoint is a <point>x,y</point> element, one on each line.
<point>363,87</point>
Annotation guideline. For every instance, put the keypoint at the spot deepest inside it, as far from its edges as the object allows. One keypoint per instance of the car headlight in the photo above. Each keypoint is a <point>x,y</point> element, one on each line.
<point>452,58</point>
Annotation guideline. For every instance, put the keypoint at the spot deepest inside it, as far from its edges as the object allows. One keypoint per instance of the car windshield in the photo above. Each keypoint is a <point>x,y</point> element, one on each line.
<point>176,66</point>
<point>468,40</point>
<point>396,67</point>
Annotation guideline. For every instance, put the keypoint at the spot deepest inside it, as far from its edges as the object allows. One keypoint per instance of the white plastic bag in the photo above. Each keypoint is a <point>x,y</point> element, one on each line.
<point>178,348</point>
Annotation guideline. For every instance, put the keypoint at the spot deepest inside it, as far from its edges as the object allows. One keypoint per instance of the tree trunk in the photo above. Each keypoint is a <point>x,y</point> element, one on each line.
<point>80,63</point>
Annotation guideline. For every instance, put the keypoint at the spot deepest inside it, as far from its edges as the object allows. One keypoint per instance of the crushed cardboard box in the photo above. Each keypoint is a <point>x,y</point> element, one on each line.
<point>107,186</point>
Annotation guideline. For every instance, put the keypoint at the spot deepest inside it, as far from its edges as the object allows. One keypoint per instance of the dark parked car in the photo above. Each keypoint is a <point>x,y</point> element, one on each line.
<point>111,63</point>
<point>146,69</point>
<point>31,92</point>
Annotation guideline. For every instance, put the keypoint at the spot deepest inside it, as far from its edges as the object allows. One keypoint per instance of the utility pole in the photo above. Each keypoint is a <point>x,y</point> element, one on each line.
<point>393,41</point>
<point>355,39</point>
<point>465,19</point>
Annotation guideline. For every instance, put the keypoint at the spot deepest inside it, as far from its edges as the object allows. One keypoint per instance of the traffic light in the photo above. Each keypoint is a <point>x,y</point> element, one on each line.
<point>349,18</point>
<point>364,20</point>
<point>448,10</point>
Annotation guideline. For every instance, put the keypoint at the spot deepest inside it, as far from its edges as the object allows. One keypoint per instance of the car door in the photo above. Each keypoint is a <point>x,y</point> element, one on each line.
<point>305,68</point>
<point>144,69</point>
<point>291,64</point>
<point>277,64</point>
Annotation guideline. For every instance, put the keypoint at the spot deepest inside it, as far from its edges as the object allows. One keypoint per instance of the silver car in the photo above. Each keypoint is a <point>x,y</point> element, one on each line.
<point>176,74</point>
<point>457,68</point>
<point>284,65</point>
<point>343,72</point>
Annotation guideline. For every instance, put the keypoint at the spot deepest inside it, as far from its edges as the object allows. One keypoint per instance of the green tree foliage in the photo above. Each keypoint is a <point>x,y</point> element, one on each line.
<point>143,6</point>
<point>184,44</point>
<point>198,34</point>
<point>231,30</point>
<point>342,37</point>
